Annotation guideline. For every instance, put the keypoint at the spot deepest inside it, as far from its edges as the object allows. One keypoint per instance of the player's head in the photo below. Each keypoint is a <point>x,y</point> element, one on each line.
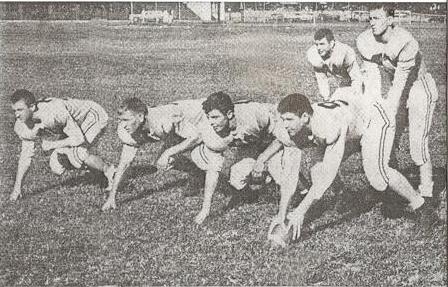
<point>132,114</point>
<point>324,41</point>
<point>295,111</point>
<point>23,104</point>
<point>381,17</point>
<point>220,110</point>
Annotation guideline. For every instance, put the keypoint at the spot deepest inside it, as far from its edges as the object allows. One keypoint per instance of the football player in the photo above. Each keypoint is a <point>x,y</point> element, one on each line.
<point>397,52</point>
<point>249,123</point>
<point>184,120</point>
<point>333,124</point>
<point>75,122</point>
<point>329,57</point>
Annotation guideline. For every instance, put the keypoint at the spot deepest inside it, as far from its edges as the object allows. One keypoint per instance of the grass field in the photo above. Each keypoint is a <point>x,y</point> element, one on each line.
<point>57,235</point>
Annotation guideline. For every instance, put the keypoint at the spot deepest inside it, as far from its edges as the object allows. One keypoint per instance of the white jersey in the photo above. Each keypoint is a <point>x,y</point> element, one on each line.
<point>180,118</point>
<point>341,63</point>
<point>346,109</point>
<point>64,116</point>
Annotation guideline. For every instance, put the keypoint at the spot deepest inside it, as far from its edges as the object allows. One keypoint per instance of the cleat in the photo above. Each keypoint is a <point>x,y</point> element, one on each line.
<point>427,218</point>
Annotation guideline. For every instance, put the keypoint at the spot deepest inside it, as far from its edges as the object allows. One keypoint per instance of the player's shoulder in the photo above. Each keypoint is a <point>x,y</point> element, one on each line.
<point>343,48</point>
<point>24,132</point>
<point>402,37</point>
<point>313,57</point>
<point>365,37</point>
<point>326,121</point>
<point>365,40</point>
<point>124,136</point>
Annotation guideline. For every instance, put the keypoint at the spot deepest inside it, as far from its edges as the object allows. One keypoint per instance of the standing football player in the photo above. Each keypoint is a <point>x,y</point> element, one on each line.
<point>76,123</point>
<point>397,52</point>
<point>331,58</point>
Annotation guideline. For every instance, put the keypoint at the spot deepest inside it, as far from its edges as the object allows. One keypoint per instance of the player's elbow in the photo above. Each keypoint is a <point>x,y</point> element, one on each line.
<point>76,141</point>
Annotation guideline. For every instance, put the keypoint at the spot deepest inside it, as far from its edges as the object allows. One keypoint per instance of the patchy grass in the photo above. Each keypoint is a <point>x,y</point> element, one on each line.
<point>56,235</point>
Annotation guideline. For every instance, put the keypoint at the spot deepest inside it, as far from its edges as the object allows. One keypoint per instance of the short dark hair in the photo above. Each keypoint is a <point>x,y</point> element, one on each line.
<point>135,105</point>
<point>218,101</point>
<point>324,32</point>
<point>296,104</point>
<point>389,8</point>
<point>24,95</point>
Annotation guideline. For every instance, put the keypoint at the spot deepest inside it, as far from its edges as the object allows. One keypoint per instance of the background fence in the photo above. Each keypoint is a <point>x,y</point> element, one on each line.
<point>251,12</point>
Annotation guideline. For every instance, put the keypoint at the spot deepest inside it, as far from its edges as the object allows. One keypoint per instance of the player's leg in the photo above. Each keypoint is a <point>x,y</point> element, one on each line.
<point>376,146</point>
<point>240,189</point>
<point>92,126</point>
<point>421,103</point>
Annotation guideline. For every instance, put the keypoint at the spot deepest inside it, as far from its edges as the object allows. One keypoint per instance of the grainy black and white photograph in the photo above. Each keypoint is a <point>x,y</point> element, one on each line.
<point>223,143</point>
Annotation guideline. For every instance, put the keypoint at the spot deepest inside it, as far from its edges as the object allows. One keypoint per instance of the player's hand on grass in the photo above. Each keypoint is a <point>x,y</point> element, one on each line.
<point>296,221</point>
<point>199,219</point>
<point>276,220</point>
<point>109,204</point>
<point>47,145</point>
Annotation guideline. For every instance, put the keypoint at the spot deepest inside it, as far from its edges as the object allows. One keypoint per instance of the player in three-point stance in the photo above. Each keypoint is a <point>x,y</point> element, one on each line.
<point>77,123</point>
<point>182,126</point>
<point>397,52</point>
<point>331,58</point>
<point>333,124</point>
<point>249,124</point>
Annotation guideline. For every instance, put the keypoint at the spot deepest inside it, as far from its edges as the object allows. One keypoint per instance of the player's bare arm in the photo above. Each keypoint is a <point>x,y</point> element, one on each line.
<point>354,71</point>
<point>292,160</point>
<point>127,156</point>
<point>26,155</point>
<point>323,84</point>
<point>75,137</point>
<point>164,160</point>
<point>260,163</point>
<point>406,61</point>
<point>322,176</point>
<point>211,182</point>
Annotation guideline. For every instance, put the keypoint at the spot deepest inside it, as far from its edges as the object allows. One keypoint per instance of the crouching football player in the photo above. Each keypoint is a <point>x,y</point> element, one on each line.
<point>252,125</point>
<point>76,123</point>
<point>333,124</point>
<point>183,127</point>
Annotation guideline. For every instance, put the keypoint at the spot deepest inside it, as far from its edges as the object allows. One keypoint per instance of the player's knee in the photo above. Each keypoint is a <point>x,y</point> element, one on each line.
<point>63,159</point>
<point>377,177</point>
<point>80,155</point>
<point>419,156</point>
<point>240,171</point>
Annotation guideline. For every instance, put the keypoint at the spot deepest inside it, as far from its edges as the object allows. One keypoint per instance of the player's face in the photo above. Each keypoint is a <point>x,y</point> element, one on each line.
<point>324,47</point>
<point>131,121</point>
<point>218,120</point>
<point>293,123</point>
<point>22,112</point>
<point>379,22</point>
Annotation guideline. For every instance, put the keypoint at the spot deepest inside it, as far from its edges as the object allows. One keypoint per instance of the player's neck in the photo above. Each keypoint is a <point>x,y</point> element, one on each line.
<point>387,35</point>
<point>232,123</point>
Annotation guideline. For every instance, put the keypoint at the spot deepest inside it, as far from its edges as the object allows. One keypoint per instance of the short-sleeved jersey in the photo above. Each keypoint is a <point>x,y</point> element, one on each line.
<point>180,118</point>
<point>61,116</point>
<point>340,63</point>
<point>255,121</point>
<point>346,109</point>
<point>402,52</point>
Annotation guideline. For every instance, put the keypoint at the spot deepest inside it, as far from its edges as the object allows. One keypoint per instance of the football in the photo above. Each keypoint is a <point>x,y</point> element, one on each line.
<point>281,234</point>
